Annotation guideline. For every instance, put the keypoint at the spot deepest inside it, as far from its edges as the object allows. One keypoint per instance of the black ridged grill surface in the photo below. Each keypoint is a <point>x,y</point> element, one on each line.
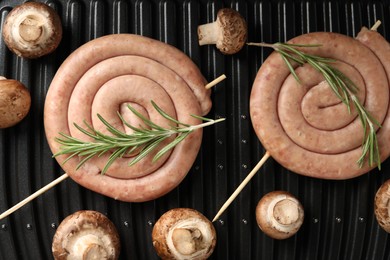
<point>339,220</point>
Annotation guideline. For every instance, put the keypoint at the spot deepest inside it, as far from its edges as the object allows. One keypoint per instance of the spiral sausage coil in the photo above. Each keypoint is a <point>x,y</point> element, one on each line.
<point>305,126</point>
<point>103,77</point>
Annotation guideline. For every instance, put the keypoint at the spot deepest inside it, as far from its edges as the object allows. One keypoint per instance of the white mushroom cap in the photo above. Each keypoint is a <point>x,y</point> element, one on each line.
<point>382,206</point>
<point>228,32</point>
<point>86,234</point>
<point>184,233</point>
<point>279,214</point>
<point>32,30</point>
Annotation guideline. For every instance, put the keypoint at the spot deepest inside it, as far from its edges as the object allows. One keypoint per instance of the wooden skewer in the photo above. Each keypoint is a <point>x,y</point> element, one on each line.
<point>242,185</point>
<point>215,81</point>
<point>259,164</point>
<point>34,195</point>
<point>376,25</point>
<point>64,176</point>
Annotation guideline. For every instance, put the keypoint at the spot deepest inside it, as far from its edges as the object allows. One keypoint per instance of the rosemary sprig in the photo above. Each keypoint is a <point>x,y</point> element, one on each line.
<point>120,143</point>
<point>342,87</point>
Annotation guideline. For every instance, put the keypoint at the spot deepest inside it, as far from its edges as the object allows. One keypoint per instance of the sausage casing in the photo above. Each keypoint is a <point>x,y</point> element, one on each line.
<point>104,76</point>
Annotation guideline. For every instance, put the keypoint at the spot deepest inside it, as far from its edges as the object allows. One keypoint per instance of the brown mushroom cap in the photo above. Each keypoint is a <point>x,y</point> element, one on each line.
<point>15,102</point>
<point>228,32</point>
<point>381,206</point>
<point>86,234</point>
<point>32,30</point>
<point>184,233</point>
<point>279,214</point>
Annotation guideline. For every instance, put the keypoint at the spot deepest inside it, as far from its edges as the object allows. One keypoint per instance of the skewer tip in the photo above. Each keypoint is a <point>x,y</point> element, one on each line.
<point>242,185</point>
<point>376,25</point>
<point>215,81</point>
<point>215,218</point>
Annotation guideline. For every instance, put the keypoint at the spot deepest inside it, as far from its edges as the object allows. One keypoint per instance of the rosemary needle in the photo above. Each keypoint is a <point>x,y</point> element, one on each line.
<point>119,143</point>
<point>342,87</point>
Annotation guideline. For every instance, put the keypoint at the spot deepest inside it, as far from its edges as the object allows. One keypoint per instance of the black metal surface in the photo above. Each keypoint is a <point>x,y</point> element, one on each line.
<point>339,221</point>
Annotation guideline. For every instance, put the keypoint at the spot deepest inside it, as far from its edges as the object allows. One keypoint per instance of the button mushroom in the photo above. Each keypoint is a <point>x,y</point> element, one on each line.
<point>381,206</point>
<point>184,233</point>
<point>86,234</point>
<point>32,30</point>
<point>15,102</point>
<point>279,214</point>
<point>228,32</point>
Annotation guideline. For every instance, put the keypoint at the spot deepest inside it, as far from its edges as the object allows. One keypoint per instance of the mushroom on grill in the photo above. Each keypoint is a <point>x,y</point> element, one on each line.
<point>228,32</point>
<point>15,102</point>
<point>381,207</point>
<point>184,233</point>
<point>32,30</point>
<point>86,234</point>
<point>279,214</point>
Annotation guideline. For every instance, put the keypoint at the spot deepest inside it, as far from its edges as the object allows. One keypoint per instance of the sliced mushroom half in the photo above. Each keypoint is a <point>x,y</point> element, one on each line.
<point>85,235</point>
<point>279,214</point>
<point>184,233</point>
<point>32,30</point>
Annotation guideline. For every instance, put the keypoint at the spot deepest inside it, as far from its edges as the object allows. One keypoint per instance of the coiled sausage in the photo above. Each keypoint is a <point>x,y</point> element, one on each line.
<point>305,127</point>
<point>103,76</point>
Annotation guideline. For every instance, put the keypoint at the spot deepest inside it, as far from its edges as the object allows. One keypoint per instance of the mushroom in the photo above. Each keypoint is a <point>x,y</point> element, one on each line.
<point>15,102</point>
<point>381,206</point>
<point>228,32</point>
<point>32,30</point>
<point>86,234</point>
<point>279,214</point>
<point>184,233</point>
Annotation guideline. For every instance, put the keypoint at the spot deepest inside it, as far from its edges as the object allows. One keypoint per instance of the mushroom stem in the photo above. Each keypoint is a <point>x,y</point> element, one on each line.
<point>30,29</point>
<point>183,241</point>
<point>89,247</point>
<point>209,33</point>
<point>286,212</point>
<point>189,237</point>
<point>283,213</point>
<point>94,251</point>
